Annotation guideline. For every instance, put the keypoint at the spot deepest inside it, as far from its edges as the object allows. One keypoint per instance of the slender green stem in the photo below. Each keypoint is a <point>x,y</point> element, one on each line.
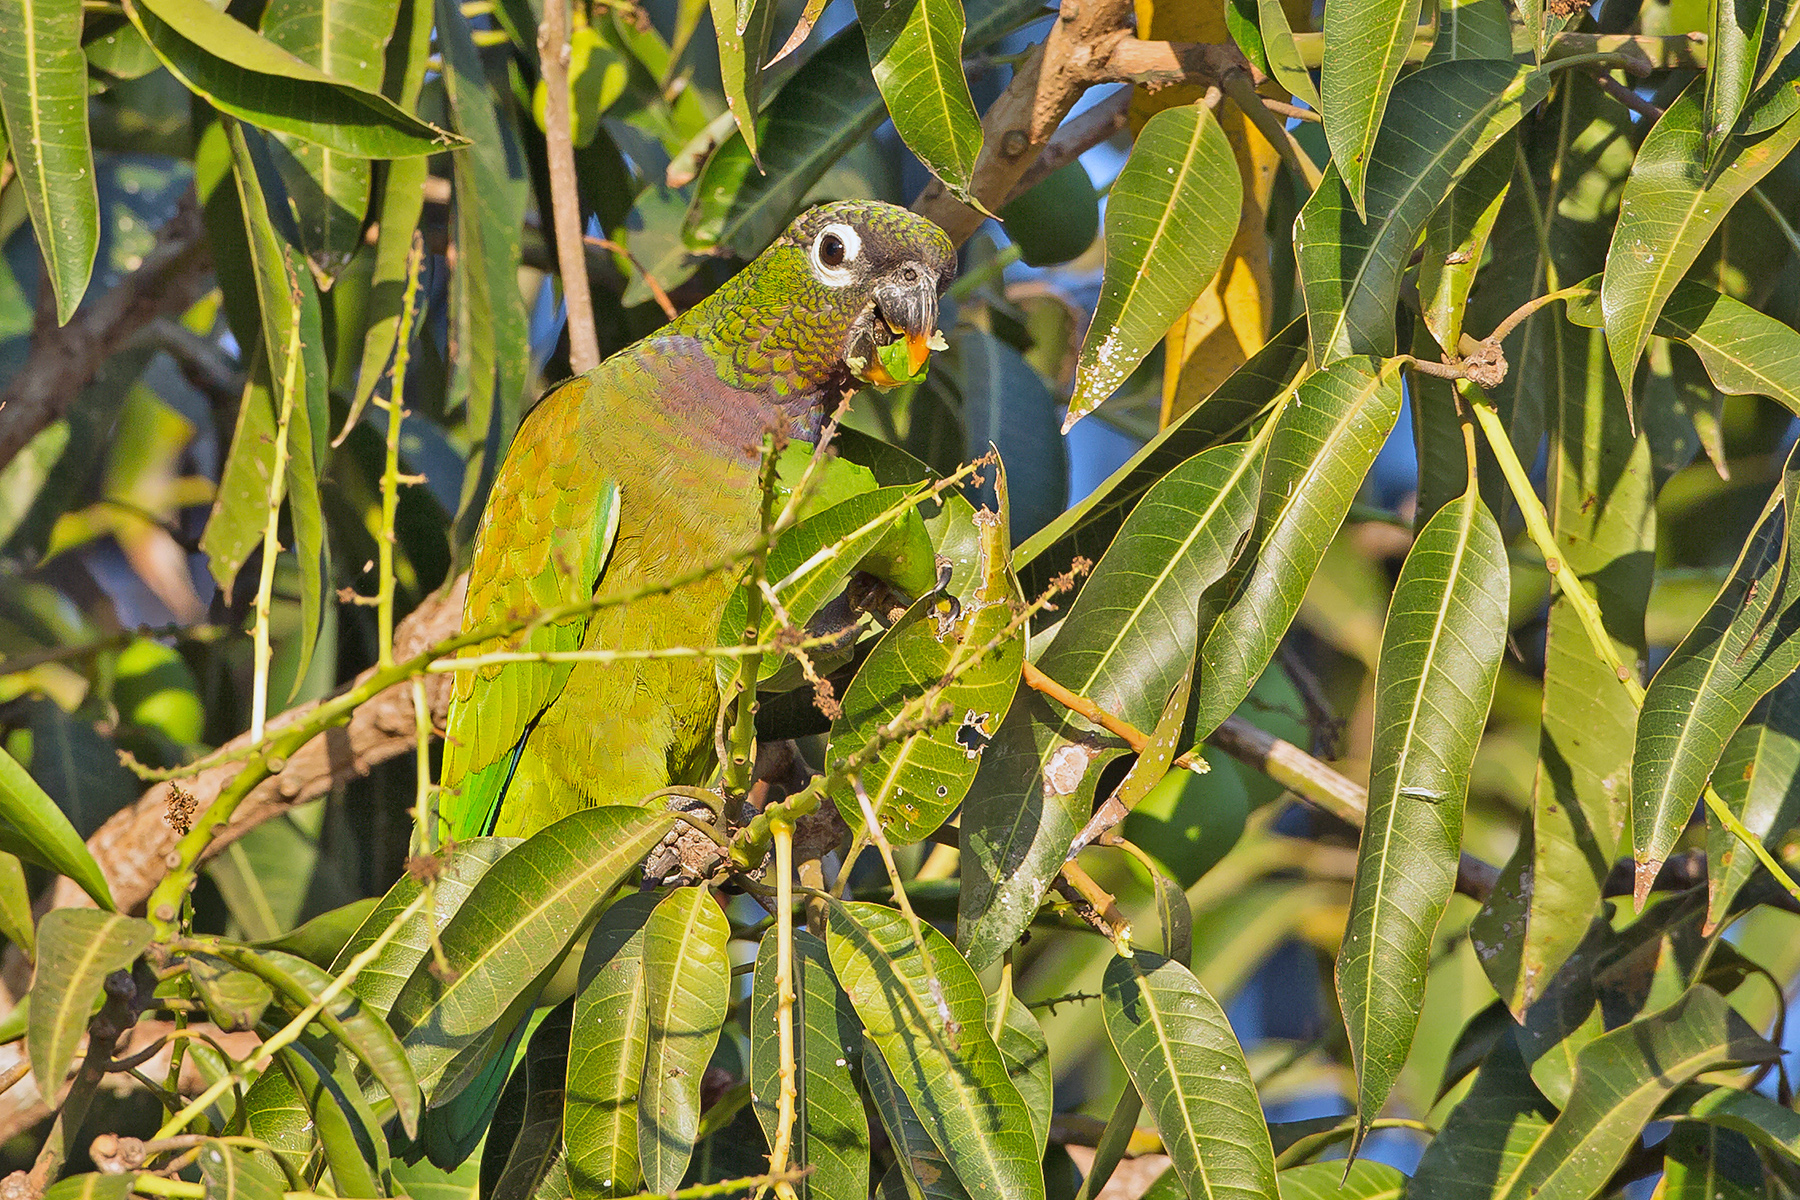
<point>395,405</point>
<point>1538,526</point>
<point>271,547</point>
<point>290,1032</point>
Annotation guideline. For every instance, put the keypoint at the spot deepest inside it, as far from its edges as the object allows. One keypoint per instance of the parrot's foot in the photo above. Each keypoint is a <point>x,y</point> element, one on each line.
<point>685,855</point>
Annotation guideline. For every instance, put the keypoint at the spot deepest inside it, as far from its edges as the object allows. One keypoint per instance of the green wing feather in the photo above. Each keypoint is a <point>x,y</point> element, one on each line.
<point>544,540</point>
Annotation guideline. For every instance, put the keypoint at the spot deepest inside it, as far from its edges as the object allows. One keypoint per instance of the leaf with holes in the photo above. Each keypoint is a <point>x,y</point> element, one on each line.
<point>915,783</point>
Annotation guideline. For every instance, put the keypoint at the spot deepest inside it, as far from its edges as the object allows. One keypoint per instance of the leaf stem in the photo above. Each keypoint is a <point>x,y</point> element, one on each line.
<point>271,547</point>
<point>1538,526</point>
<point>788,1100</point>
<point>390,472</point>
<point>290,1032</point>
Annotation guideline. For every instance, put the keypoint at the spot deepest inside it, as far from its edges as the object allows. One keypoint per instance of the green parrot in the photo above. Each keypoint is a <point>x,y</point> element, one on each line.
<point>643,470</point>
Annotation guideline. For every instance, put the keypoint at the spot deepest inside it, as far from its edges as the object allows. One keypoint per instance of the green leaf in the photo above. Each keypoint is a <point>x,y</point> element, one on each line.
<point>1456,236</point>
<point>1365,1180</point>
<point>77,949</point>
<point>1602,487</point>
<point>831,1132</point>
<point>16,920</point>
<point>606,1053</point>
<point>1440,654</point>
<point>1731,59</point>
<point>290,318</point>
<point>1488,1135</point>
<point>1284,53</point>
<point>1087,528</point>
<point>520,917</point>
<point>1444,118</point>
<point>1026,1054</point>
<point>232,1173</point>
<point>1007,405</point>
<point>381,980</point>
<point>1322,445</point>
<point>1747,353</point>
<point>1758,778</point>
<point>804,578</point>
<point>1620,1080</point>
<point>491,371</point>
<point>235,999</point>
<point>306,1110</point>
<point>536,1162</point>
<point>687,987</point>
<point>935,1042</point>
<point>1368,44</point>
<point>348,1019</point>
<point>1701,1162</point>
<point>742,45</point>
<point>1755,1116</point>
<point>402,203</point>
<point>915,783</point>
<point>1170,217</point>
<point>328,192</point>
<point>1186,1063</point>
<point>1471,29</point>
<point>94,1185</point>
<point>915,55</point>
<point>1669,211</point>
<point>34,828</point>
<point>829,105</point>
<point>43,94</point>
<point>251,78</point>
<point>921,1172</point>
<point>1129,636</point>
<point>320,939</point>
<point>1741,648</point>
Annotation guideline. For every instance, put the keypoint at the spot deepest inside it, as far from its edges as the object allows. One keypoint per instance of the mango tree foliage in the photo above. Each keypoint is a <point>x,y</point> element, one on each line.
<point>1345,663</point>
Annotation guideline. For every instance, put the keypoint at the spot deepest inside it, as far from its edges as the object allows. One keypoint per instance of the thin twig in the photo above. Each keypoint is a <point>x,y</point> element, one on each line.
<point>656,289</point>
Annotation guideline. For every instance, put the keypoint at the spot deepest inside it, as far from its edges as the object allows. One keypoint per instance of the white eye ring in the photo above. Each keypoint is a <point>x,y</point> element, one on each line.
<point>839,274</point>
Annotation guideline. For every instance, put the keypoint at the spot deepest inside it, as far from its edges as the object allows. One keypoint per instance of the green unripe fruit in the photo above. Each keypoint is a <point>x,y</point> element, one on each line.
<point>1189,822</point>
<point>154,688</point>
<point>1057,220</point>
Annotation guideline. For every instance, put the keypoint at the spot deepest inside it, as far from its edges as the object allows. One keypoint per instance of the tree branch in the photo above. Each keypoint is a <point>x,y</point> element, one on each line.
<point>565,201</point>
<point>65,359</point>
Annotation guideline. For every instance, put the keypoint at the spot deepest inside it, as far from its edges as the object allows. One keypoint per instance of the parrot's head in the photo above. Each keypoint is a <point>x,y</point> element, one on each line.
<point>874,271</point>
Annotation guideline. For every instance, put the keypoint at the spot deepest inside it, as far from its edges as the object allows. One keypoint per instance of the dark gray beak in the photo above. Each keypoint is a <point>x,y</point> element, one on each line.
<point>908,301</point>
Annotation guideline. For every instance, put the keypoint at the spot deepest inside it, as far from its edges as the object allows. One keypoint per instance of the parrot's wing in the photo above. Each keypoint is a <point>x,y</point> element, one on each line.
<point>544,541</point>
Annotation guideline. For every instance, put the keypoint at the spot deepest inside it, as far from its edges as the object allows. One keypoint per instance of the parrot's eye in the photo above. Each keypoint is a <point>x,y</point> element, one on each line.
<point>833,251</point>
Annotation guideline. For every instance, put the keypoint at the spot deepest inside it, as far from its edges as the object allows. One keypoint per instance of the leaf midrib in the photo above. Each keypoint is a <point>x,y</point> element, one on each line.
<point>1464,530</point>
<point>495,946</point>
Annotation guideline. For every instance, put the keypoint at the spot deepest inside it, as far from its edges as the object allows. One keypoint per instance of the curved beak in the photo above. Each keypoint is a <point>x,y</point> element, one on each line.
<point>910,308</point>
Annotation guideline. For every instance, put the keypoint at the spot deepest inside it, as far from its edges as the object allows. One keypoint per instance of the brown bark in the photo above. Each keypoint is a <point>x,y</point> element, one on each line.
<point>65,359</point>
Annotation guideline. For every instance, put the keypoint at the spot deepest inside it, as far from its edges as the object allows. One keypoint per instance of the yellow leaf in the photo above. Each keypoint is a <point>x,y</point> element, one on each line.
<point>1230,320</point>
